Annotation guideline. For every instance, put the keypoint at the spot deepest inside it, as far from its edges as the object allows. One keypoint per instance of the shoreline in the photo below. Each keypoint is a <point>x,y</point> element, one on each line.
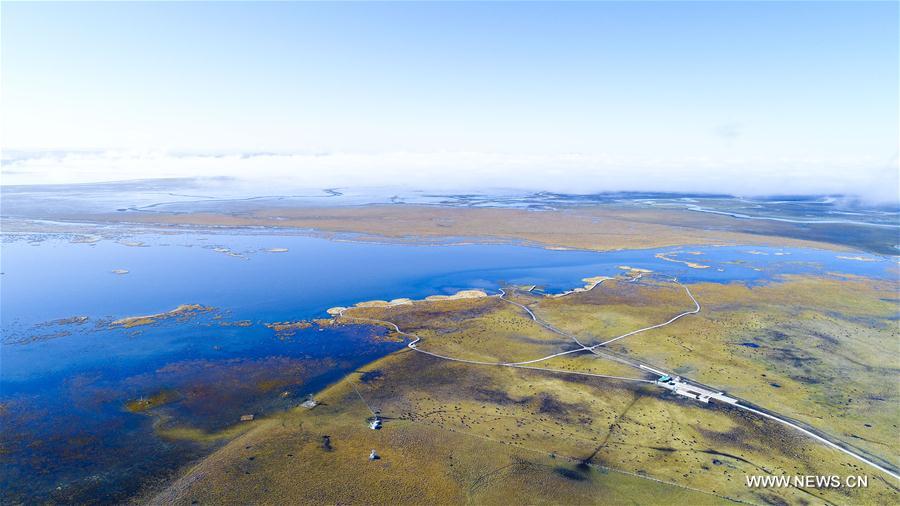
<point>339,389</point>
<point>592,228</point>
<point>167,491</point>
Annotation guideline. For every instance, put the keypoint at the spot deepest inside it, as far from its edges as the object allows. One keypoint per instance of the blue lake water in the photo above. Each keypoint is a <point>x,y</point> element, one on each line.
<point>65,385</point>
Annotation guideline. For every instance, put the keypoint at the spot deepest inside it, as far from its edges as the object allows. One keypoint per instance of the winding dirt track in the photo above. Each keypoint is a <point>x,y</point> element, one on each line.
<point>806,429</point>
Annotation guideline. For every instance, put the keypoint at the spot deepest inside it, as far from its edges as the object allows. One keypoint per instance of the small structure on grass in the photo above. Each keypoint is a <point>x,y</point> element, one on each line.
<point>310,402</point>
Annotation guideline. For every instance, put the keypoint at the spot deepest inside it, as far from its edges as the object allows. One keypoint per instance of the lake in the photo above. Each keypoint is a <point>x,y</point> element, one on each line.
<point>96,413</point>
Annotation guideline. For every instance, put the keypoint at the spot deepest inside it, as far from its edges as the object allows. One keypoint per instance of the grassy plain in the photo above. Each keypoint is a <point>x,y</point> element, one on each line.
<point>820,350</point>
<point>597,228</point>
<point>456,433</point>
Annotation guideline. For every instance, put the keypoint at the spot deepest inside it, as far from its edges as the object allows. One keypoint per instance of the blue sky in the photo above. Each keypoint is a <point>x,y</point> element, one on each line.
<point>664,90</point>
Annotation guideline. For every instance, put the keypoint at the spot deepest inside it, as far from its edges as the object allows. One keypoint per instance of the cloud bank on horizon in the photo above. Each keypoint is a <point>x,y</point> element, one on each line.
<point>727,97</point>
<point>468,172</point>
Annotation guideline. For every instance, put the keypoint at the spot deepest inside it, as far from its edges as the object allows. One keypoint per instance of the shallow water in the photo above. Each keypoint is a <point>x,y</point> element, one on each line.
<point>65,385</point>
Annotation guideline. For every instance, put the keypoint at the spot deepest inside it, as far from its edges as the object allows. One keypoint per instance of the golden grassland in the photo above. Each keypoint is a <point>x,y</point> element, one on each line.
<point>197,435</point>
<point>593,228</point>
<point>460,433</point>
<point>426,458</point>
<point>822,350</point>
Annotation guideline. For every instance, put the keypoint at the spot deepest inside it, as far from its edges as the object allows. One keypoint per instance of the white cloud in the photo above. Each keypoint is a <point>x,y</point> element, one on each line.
<point>470,171</point>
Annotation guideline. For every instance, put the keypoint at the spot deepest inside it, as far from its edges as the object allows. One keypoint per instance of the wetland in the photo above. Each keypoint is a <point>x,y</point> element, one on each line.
<point>116,387</point>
